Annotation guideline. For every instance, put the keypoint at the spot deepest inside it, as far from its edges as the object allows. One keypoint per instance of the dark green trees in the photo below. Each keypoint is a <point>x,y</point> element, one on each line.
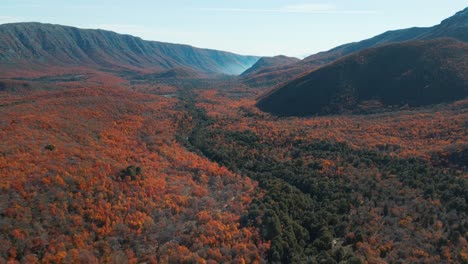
<point>132,171</point>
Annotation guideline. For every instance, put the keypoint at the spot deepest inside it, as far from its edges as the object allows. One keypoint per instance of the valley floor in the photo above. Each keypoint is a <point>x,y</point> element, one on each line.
<point>221,181</point>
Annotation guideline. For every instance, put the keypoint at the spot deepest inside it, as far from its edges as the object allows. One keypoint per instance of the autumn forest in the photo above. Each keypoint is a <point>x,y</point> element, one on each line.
<point>119,158</point>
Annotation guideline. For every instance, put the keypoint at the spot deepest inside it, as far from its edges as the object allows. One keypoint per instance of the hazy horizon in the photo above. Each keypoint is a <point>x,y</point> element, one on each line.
<point>263,28</point>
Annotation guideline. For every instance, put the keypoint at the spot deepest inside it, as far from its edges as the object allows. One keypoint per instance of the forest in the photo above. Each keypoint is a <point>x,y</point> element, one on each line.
<point>111,184</point>
<point>114,149</point>
<point>325,202</point>
<point>138,172</point>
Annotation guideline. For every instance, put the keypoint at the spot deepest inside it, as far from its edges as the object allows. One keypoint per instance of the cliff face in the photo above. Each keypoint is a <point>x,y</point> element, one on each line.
<point>26,44</point>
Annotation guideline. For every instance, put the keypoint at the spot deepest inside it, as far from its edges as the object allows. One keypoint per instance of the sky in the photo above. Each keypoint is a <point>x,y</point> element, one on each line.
<point>251,27</point>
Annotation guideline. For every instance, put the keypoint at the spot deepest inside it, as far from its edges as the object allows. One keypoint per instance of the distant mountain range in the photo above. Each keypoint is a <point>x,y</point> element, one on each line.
<point>411,73</point>
<point>36,46</point>
<point>453,27</point>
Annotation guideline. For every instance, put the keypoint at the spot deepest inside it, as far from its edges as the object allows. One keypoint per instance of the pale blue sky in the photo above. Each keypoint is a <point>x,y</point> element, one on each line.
<point>256,27</point>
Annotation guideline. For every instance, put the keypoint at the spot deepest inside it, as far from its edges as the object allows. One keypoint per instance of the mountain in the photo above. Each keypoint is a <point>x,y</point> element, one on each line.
<point>265,62</point>
<point>260,74</point>
<point>343,50</point>
<point>30,46</point>
<point>413,73</point>
<point>453,27</point>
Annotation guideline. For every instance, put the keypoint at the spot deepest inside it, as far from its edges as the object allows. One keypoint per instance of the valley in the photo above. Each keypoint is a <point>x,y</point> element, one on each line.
<point>216,172</point>
<point>119,150</point>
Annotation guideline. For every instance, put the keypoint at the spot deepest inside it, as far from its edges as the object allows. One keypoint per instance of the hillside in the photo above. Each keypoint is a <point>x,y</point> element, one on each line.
<point>376,187</point>
<point>453,27</point>
<point>180,72</point>
<point>95,175</point>
<point>265,62</point>
<point>31,46</point>
<point>401,35</point>
<point>413,73</point>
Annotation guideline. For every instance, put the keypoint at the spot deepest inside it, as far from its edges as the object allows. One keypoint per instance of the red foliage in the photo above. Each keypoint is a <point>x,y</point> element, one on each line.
<point>68,204</point>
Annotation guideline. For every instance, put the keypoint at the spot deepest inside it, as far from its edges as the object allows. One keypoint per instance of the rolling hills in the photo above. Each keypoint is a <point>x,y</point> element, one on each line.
<point>412,73</point>
<point>31,46</point>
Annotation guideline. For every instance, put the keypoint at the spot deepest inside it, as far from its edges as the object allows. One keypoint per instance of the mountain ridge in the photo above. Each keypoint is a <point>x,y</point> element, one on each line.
<point>401,35</point>
<point>455,26</point>
<point>38,44</point>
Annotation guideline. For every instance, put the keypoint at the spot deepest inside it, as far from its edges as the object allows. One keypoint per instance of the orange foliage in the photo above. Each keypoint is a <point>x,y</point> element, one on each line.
<point>70,205</point>
<point>419,132</point>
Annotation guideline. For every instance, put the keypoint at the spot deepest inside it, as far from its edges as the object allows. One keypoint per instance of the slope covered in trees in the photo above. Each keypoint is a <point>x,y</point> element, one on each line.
<point>95,175</point>
<point>134,172</point>
<point>347,188</point>
<point>411,73</point>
